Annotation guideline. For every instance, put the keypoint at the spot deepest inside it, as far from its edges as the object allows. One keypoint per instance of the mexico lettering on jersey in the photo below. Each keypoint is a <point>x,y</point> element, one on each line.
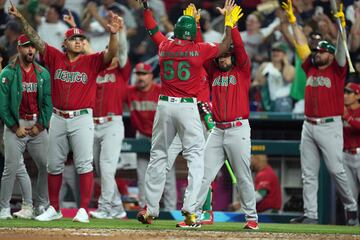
<point>352,129</point>
<point>181,66</point>
<point>73,84</point>
<point>324,89</point>
<point>111,85</point>
<point>29,102</point>
<point>142,108</point>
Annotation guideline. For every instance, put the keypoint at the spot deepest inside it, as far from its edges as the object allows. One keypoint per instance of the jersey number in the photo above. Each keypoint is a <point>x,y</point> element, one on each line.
<point>183,72</point>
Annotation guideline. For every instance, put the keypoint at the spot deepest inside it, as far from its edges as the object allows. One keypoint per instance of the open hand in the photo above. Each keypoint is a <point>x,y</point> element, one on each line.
<point>116,23</point>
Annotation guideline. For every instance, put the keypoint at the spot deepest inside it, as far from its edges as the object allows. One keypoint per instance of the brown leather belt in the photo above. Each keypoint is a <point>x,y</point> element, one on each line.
<point>226,125</point>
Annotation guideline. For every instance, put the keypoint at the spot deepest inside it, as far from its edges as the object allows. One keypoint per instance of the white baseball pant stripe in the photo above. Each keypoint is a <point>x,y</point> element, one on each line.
<point>324,140</point>
<point>108,138</point>
<point>172,119</point>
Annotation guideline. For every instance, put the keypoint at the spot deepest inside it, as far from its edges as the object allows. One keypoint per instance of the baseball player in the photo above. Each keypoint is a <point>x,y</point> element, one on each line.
<point>142,100</point>
<point>322,129</point>
<point>229,76</point>
<point>351,121</point>
<point>109,129</point>
<point>73,76</point>
<point>180,61</point>
<point>26,117</point>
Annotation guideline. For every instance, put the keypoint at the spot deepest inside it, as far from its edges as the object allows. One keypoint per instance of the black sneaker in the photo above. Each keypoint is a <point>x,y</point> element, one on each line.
<point>304,220</point>
<point>352,218</point>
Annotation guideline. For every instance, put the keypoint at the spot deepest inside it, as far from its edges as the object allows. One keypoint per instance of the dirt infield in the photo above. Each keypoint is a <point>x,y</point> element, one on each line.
<point>91,234</point>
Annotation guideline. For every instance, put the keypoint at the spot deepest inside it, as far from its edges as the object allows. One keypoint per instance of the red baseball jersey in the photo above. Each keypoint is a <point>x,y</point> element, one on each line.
<point>181,66</point>
<point>142,107</point>
<point>29,103</point>
<point>73,84</point>
<point>267,179</point>
<point>111,85</point>
<point>230,90</point>
<point>204,91</point>
<point>324,91</point>
<point>352,129</point>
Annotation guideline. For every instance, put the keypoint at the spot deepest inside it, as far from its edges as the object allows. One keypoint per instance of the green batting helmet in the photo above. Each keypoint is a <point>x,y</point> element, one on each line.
<point>185,28</point>
<point>325,46</point>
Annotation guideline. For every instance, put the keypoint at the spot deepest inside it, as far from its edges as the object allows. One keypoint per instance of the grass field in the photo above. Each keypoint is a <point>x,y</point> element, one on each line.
<point>170,225</point>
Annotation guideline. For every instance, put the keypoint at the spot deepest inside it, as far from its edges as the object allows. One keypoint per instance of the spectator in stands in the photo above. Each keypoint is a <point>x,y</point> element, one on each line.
<point>4,17</point>
<point>51,29</point>
<point>354,40</point>
<point>142,101</point>
<point>267,187</point>
<point>9,40</point>
<point>208,33</point>
<point>275,79</point>
<point>95,21</point>
<point>67,11</point>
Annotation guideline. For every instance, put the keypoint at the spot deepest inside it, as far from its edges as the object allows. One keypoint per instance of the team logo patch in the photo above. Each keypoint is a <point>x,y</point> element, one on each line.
<point>4,80</point>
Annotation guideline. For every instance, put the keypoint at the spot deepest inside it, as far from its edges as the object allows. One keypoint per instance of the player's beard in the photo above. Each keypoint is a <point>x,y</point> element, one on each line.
<point>141,84</point>
<point>225,67</point>
<point>28,58</point>
<point>321,62</point>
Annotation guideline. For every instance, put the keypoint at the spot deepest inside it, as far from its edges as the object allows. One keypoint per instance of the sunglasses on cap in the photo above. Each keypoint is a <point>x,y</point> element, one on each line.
<point>348,91</point>
<point>77,38</point>
<point>27,45</point>
<point>141,73</point>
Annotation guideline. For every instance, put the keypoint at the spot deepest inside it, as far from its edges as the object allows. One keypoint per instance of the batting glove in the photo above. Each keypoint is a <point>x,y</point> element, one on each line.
<point>289,11</point>
<point>232,17</point>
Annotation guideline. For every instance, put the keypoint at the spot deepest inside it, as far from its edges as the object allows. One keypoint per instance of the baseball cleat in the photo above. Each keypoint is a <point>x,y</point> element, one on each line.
<point>352,218</point>
<point>26,212</point>
<point>39,210</point>
<point>118,214</point>
<point>5,214</point>
<point>304,220</point>
<point>253,225</point>
<point>207,218</point>
<point>184,225</point>
<point>81,216</point>
<point>144,217</point>
<point>100,214</point>
<point>49,215</point>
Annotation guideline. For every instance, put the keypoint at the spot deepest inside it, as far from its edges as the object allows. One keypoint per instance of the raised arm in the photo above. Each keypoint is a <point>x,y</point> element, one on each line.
<point>116,23</point>
<point>34,37</point>
<point>301,43</point>
<point>152,28</point>
<point>239,49</point>
<point>340,53</point>
<point>232,15</point>
<point>123,47</point>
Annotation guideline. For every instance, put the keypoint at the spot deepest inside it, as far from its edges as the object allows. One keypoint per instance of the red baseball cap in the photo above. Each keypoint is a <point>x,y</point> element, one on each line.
<point>23,39</point>
<point>72,32</point>
<point>143,68</point>
<point>354,87</point>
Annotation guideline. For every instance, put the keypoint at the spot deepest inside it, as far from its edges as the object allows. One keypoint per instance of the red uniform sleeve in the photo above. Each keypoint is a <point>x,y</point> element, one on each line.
<point>156,36</point>
<point>209,50</point>
<point>241,56</point>
<point>50,55</point>
<point>262,182</point>
<point>355,123</point>
<point>306,64</point>
<point>199,37</point>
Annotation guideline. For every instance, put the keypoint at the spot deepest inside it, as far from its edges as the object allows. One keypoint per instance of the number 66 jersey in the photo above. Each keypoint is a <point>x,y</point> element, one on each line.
<point>176,57</point>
